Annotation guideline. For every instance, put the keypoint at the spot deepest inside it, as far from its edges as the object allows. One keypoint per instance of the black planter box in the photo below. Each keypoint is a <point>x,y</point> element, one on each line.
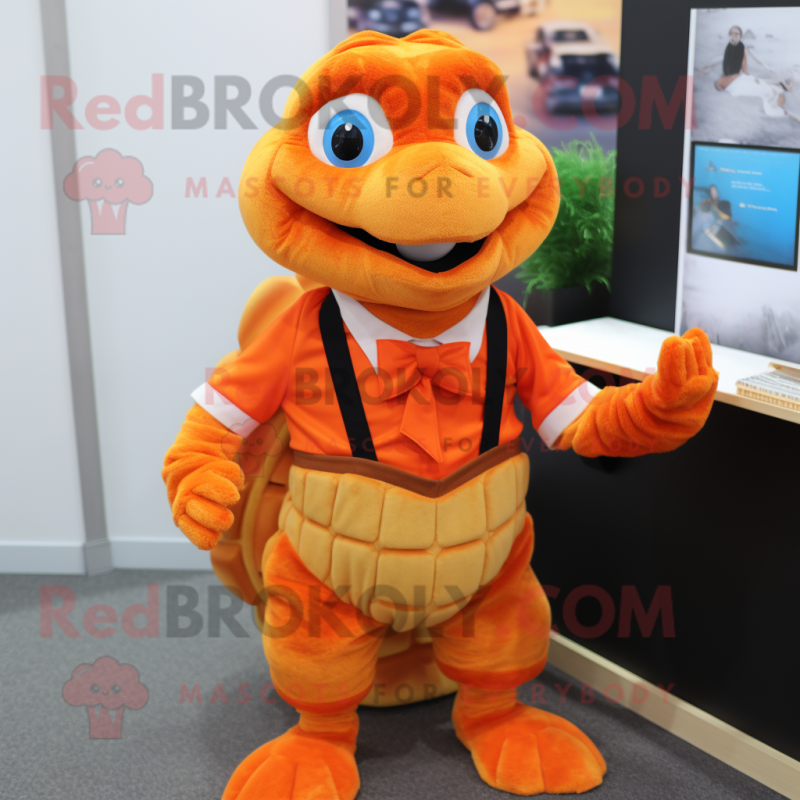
<point>560,306</point>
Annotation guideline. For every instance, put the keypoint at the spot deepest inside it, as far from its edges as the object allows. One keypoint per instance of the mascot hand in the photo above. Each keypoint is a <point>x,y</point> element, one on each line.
<point>685,379</point>
<point>654,416</point>
<point>202,479</point>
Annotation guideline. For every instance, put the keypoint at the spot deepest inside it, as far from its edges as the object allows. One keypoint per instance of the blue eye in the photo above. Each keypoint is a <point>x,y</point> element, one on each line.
<point>480,126</point>
<point>350,131</point>
<point>348,139</point>
<point>484,131</point>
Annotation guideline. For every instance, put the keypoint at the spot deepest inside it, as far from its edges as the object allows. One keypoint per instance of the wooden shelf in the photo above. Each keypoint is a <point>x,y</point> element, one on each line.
<point>631,350</point>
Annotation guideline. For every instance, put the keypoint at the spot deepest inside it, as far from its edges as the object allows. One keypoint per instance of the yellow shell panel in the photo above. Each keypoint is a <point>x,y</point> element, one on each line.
<point>501,494</point>
<point>357,508</point>
<point>319,494</point>
<point>393,553</point>
<point>316,546</point>
<point>408,521</point>
<point>458,572</point>
<point>353,566</point>
<point>461,514</point>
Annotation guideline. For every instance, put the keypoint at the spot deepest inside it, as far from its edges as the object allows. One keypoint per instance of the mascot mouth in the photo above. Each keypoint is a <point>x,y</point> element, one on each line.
<point>439,257</point>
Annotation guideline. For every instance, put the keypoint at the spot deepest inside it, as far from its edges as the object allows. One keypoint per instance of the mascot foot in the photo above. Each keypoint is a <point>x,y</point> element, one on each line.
<point>301,764</point>
<point>525,750</point>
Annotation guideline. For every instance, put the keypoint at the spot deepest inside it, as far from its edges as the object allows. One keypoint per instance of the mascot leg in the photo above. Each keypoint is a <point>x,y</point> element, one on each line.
<point>322,654</point>
<point>496,643</point>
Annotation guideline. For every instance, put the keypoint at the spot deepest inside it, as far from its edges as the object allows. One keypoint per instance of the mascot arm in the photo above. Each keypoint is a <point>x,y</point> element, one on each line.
<point>654,416</point>
<point>202,478</point>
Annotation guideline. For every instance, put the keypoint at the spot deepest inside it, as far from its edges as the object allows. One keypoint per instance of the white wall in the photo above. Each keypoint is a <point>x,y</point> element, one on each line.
<point>40,491</point>
<point>165,297</point>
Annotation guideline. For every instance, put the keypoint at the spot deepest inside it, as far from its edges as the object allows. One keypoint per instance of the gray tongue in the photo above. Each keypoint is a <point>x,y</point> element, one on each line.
<point>425,252</point>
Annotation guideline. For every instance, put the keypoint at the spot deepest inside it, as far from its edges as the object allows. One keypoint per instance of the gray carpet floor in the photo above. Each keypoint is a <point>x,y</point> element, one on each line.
<point>174,751</point>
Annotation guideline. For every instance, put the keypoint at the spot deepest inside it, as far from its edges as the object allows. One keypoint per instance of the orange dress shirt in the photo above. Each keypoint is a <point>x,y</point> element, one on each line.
<point>285,367</point>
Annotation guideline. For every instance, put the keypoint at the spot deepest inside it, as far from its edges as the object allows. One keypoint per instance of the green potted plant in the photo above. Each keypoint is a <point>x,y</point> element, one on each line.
<point>567,278</point>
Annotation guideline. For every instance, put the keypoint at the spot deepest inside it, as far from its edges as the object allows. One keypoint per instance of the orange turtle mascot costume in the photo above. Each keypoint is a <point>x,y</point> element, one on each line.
<point>356,465</point>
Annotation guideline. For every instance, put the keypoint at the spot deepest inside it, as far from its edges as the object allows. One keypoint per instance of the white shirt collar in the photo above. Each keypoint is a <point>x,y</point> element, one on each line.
<point>366,328</point>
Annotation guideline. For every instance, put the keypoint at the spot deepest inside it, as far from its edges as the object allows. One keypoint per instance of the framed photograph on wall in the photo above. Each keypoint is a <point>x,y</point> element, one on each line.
<point>738,273</point>
<point>743,204</point>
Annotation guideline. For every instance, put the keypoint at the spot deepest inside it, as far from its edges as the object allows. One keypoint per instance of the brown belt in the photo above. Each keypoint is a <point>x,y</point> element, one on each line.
<point>427,487</point>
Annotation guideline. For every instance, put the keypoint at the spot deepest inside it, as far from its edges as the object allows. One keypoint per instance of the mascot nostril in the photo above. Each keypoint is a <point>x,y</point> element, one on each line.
<point>382,373</point>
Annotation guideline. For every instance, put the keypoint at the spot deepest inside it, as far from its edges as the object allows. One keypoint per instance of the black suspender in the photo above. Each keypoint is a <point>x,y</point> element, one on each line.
<point>496,357</point>
<point>334,340</point>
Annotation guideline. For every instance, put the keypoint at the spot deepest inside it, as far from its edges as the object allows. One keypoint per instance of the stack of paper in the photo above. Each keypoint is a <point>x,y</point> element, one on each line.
<point>781,387</point>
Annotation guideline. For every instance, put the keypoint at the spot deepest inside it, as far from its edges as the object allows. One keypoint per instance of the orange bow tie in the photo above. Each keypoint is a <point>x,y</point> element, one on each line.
<point>403,367</point>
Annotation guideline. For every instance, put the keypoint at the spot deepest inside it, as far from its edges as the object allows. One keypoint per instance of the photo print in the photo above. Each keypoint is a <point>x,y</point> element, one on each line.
<point>743,204</point>
<point>745,66</point>
<point>738,273</point>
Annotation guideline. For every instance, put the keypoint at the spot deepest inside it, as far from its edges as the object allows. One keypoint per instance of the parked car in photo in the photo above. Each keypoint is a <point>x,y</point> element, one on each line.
<point>393,17</point>
<point>529,8</point>
<point>483,13</point>
<point>573,54</point>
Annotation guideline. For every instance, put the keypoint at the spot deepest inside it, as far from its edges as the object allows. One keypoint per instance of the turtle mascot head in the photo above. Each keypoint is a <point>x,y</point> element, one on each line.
<point>397,175</point>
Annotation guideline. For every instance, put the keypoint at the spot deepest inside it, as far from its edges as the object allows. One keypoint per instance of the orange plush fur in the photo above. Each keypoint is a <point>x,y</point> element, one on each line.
<point>292,203</point>
<point>290,200</point>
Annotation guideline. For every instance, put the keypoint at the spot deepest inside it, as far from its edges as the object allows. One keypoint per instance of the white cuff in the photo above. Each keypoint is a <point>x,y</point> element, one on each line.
<point>233,418</point>
<point>566,412</point>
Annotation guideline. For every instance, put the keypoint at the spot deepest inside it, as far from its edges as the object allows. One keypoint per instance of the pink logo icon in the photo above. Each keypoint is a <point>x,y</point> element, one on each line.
<point>109,181</point>
<point>106,688</point>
